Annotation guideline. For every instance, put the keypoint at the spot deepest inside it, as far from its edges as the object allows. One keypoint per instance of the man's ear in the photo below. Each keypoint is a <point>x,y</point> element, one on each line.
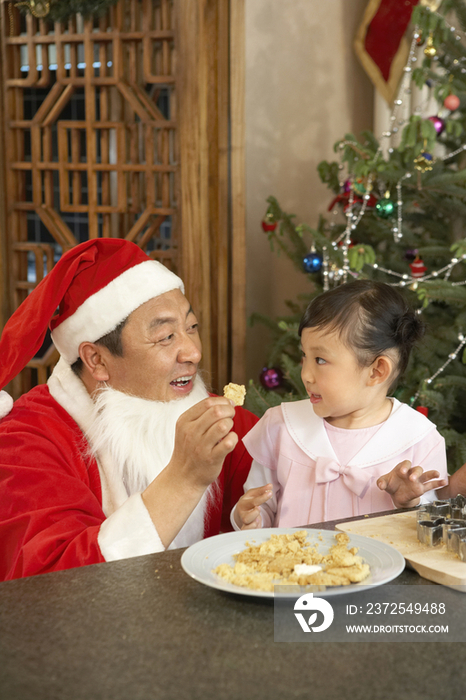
<point>94,362</point>
<point>381,370</point>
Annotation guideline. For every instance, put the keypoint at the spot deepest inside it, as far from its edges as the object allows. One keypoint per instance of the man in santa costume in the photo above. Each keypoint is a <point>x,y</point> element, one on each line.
<point>123,452</point>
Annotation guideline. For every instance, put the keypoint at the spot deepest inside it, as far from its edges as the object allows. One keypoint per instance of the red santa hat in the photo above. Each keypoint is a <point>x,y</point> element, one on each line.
<point>91,289</point>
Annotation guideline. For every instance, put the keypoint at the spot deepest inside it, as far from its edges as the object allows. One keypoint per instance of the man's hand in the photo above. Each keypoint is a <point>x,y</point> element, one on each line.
<point>247,514</point>
<point>406,484</point>
<point>203,438</point>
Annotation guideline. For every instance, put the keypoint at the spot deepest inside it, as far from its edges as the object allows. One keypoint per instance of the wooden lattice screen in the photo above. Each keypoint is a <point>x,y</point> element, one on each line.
<point>91,136</point>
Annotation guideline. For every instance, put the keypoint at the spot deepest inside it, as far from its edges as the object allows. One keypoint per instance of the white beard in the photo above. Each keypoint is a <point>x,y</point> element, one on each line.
<point>139,437</point>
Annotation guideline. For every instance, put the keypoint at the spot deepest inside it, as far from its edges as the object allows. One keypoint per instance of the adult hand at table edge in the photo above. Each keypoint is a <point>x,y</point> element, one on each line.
<point>406,484</point>
<point>456,484</point>
<point>203,438</point>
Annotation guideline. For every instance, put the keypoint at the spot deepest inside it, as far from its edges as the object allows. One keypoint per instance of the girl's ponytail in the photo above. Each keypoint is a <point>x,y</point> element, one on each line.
<point>408,329</point>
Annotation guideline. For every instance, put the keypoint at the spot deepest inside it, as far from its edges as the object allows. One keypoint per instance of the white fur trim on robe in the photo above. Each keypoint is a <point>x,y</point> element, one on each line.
<point>104,310</point>
<point>6,404</point>
<point>128,530</point>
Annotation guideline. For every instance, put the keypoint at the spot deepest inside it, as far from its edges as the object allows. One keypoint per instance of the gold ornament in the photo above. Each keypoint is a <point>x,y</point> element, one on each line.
<point>39,8</point>
<point>424,162</point>
<point>433,5</point>
<point>430,50</point>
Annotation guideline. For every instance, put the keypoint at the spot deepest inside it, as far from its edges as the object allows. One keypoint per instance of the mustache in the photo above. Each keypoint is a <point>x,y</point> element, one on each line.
<point>137,434</point>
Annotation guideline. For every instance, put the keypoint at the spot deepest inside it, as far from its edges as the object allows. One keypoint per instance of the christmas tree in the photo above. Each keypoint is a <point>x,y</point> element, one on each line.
<point>397,215</point>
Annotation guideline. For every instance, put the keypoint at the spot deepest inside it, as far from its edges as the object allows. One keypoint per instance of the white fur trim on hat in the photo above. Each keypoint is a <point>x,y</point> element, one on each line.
<point>104,310</point>
<point>6,404</point>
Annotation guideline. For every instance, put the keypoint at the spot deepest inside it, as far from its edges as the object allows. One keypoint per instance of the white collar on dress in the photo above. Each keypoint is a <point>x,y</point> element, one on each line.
<point>308,432</point>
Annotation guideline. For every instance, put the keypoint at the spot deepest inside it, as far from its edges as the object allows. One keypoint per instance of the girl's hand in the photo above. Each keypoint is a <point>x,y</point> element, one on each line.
<point>406,484</point>
<point>247,515</point>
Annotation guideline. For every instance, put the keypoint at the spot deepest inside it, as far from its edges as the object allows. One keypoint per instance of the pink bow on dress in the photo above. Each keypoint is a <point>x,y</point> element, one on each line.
<point>355,478</point>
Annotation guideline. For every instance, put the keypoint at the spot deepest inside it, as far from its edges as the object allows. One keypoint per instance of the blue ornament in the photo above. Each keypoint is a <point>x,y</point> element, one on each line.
<point>312,262</point>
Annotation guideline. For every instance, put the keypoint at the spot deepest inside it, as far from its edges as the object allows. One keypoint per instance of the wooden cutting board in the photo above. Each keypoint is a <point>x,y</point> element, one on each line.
<point>399,530</point>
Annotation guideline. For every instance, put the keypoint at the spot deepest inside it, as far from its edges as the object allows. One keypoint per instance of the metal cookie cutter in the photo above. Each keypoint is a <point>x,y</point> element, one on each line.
<point>453,531</point>
<point>462,549</point>
<point>458,507</point>
<point>434,510</point>
<point>424,513</point>
<point>430,531</point>
<point>444,522</point>
<point>441,508</point>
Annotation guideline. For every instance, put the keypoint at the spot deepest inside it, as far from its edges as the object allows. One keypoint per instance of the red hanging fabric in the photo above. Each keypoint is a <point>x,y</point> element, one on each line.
<point>380,43</point>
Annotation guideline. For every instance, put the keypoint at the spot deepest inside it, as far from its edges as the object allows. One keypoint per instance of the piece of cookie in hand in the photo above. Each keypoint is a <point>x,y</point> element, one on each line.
<point>235,393</point>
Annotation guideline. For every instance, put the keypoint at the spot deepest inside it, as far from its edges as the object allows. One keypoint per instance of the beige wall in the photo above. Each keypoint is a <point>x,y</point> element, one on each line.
<point>304,90</point>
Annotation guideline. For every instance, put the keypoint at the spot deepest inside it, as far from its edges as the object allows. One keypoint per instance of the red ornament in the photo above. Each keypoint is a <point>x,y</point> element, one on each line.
<point>451,102</point>
<point>268,223</point>
<point>423,409</point>
<point>345,197</point>
<point>418,269</point>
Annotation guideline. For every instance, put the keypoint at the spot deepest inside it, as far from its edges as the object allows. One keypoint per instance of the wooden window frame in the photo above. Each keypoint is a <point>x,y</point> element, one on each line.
<point>210,85</point>
<point>211,132</point>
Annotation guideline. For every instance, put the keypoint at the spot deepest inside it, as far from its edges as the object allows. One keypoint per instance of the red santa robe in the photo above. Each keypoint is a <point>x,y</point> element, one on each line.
<point>61,508</point>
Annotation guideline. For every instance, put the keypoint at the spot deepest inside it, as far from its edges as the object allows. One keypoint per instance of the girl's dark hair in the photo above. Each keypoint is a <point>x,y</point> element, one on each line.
<point>371,319</point>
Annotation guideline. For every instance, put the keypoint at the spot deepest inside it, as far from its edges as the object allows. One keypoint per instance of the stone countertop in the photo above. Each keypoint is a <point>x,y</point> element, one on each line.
<point>141,628</point>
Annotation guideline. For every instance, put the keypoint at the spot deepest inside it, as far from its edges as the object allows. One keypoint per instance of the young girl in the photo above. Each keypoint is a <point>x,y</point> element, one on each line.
<point>332,455</point>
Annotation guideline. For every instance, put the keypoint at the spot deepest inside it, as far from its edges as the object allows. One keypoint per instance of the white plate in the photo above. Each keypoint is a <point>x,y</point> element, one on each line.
<point>199,560</point>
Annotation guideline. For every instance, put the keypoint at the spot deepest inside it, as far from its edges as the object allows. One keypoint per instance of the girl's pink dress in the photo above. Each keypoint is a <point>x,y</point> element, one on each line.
<point>323,473</point>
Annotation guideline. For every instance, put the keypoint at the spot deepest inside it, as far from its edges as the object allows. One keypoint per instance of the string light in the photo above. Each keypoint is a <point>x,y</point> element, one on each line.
<point>452,356</point>
<point>325,268</point>
<point>398,230</point>
<point>409,279</point>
